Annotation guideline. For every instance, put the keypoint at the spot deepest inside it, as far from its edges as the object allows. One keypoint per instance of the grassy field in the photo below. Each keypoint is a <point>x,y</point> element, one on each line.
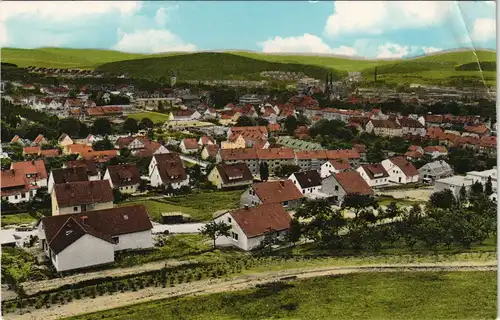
<point>207,66</point>
<point>200,206</point>
<point>410,295</point>
<point>156,117</point>
<point>18,218</point>
<point>431,69</point>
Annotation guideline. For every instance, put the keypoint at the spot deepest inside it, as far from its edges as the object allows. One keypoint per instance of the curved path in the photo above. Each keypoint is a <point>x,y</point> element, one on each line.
<point>239,282</point>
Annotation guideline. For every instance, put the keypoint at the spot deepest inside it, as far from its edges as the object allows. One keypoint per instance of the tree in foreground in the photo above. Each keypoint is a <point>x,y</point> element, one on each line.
<point>264,171</point>
<point>214,230</point>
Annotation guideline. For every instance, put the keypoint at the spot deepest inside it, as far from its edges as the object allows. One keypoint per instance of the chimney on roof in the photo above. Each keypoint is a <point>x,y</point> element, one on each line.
<point>84,218</point>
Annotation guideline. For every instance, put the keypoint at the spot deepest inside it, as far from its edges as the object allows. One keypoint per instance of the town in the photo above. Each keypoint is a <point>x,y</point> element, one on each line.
<point>103,176</point>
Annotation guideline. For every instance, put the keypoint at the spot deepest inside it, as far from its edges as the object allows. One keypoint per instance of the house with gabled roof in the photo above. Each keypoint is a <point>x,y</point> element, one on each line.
<point>189,145</point>
<point>81,196</point>
<point>400,170</point>
<point>88,239</point>
<point>39,140</point>
<point>64,140</point>
<point>15,187</point>
<point>166,170</point>
<point>435,170</point>
<point>330,167</point>
<point>231,175</point>
<point>246,155</point>
<point>306,181</point>
<point>90,167</point>
<point>250,225</point>
<point>34,170</point>
<point>282,191</point>
<point>64,175</point>
<point>209,151</point>
<point>374,174</point>
<point>123,177</point>
<point>436,151</point>
<point>341,184</point>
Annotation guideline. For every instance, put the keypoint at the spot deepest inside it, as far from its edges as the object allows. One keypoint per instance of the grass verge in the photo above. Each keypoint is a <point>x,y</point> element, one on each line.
<point>409,295</point>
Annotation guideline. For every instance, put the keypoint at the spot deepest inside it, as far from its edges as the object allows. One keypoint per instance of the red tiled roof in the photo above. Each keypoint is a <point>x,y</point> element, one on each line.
<point>13,182</point>
<point>375,171</point>
<point>413,154</point>
<point>408,169</point>
<point>15,139</point>
<point>102,224</point>
<point>310,154</point>
<point>478,129</point>
<point>353,183</point>
<point>385,124</point>
<point>31,167</point>
<point>274,127</point>
<point>49,153</point>
<point>342,154</point>
<point>256,221</point>
<point>170,167</point>
<point>238,154</point>
<point>124,175</point>
<point>89,165</point>
<point>206,140</point>
<point>340,164</point>
<point>65,175</point>
<point>31,150</point>
<point>414,148</point>
<point>275,153</point>
<point>360,148</point>
<point>276,191</point>
<point>236,172</point>
<point>78,148</point>
<point>100,156</point>
<point>190,143</point>
<point>440,149</point>
<point>83,192</point>
<point>212,149</point>
<point>38,139</point>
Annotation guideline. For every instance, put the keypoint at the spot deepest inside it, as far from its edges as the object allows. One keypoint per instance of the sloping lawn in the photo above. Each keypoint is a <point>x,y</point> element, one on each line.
<point>200,205</point>
<point>156,117</point>
<point>18,218</point>
<point>405,295</point>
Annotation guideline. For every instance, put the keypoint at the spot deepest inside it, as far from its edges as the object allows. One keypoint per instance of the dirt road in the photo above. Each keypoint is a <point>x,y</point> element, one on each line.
<point>101,303</point>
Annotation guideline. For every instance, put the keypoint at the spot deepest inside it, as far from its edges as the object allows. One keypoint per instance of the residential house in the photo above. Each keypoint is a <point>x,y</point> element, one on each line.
<point>234,142</point>
<point>341,184</point>
<point>40,140</point>
<point>310,159</point>
<point>205,140</point>
<point>76,149</point>
<point>140,146</point>
<point>454,183</point>
<point>49,153</point>
<point>209,151</point>
<point>249,226</point>
<point>386,128</point>
<point>435,170</point>
<point>189,145</point>
<point>480,129</point>
<point>81,196</point>
<point>282,191</point>
<point>65,175</point>
<point>168,170</point>
<point>412,127</point>
<point>330,167</point>
<point>17,139</point>
<point>92,172</point>
<point>276,157</point>
<point>184,115</point>
<point>254,132</point>
<point>33,170</point>
<point>400,170</point>
<point>231,175</point>
<point>86,239</point>
<point>436,151</point>
<point>374,174</point>
<point>349,155</point>
<point>64,140</point>
<point>210,113</point>
<point>15,187</point>
<point>101,156</point>
<point>246,155</point>
<point>123,177</point>
<point>307,181</point>
<point>482,177</point>
<point>31,152</point>
<point>361,149</point>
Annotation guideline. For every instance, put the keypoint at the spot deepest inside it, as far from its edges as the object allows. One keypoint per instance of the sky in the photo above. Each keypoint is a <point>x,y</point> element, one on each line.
<point>374,29</point>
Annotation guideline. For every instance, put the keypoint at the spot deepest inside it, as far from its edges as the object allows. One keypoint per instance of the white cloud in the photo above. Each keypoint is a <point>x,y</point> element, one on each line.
<point>151,41</point>
<point>376,17</point>
<point>431,49</point>
<point>306,43</point>
<point>4,38</point>
<point>161,16</point>
<point>64,10</point>
<point>483,30</point>
<point>392,50</point>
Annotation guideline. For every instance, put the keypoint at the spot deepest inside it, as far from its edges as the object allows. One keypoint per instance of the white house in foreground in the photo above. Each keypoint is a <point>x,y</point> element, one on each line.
<point>88,239</point>
<point>251,224</point>
<point>167,169</point>
<point>400,170</point>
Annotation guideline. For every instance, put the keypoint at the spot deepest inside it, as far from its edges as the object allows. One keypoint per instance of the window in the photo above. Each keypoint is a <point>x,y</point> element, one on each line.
<point>116,240</point>
<point>336,188</point>
<point>235,236</point>
<point>23,195</point>
<point>75,209</point>
<point>285,203</point>
<point>15,197</point>
<point>229,219</point>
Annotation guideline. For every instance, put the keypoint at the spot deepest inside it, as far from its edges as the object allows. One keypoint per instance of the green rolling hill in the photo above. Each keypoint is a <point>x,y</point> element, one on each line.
<point>436,68</point>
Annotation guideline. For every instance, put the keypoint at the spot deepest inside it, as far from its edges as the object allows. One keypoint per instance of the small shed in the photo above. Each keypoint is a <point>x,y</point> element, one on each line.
<point>174,217</point>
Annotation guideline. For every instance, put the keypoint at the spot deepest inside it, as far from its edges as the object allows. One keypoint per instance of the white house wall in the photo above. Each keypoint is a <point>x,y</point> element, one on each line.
<point>84,252</point>
<point>136,240</point>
